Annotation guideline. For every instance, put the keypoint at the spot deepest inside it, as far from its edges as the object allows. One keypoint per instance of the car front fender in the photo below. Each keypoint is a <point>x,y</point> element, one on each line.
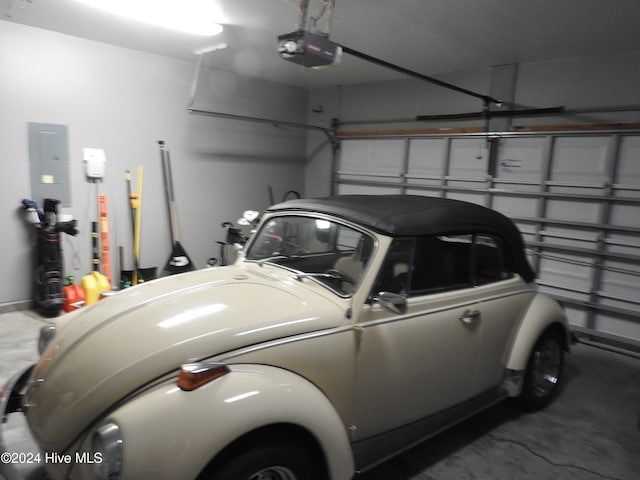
<point>542,313</point>
<point>169,433</point>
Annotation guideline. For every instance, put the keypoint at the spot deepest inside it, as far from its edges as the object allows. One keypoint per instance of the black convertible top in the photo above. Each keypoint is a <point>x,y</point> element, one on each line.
<point>415,215</point>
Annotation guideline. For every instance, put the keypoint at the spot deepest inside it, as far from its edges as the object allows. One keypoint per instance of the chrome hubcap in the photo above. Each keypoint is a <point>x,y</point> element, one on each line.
<point>274,473</point>
<point>547,362</point>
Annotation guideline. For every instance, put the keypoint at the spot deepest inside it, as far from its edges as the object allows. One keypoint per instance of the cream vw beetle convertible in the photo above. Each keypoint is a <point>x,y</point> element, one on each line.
<point>350,328</point>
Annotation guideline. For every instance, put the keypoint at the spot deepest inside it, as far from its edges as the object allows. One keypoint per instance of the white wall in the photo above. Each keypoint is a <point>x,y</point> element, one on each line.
<point>587,81</point>
<point>124,101</point>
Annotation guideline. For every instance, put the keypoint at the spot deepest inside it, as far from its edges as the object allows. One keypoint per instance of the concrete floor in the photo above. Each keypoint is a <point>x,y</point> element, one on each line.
<point>591,431</point>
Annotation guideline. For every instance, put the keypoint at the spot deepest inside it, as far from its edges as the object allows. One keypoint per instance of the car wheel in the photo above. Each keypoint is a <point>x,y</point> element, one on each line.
<point>268,462</point>
<point>544,372</point>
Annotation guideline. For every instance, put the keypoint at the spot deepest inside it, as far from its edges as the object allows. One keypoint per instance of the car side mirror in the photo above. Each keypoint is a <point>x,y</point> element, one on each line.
<point>394,302</point>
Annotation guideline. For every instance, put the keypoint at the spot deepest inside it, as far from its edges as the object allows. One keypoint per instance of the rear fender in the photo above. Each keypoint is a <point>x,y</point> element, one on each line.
<point>169,433</point>
<point>542,313</point>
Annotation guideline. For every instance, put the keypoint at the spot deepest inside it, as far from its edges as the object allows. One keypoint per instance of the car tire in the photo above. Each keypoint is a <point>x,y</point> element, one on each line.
<point>280,461</point>
<point>544,372</point>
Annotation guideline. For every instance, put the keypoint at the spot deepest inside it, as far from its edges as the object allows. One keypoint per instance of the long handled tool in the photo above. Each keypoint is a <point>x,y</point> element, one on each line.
<point>179,260</point>
<point>95,252</point>
<point>138,274</point>
<point>134,206</point>
<point>132,201</point>
<point>105,247</point>
<point>136,230</point>
<point>94,162</point>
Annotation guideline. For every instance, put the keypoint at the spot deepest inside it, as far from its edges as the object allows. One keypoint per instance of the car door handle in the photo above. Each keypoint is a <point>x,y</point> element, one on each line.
<point>469,316</point>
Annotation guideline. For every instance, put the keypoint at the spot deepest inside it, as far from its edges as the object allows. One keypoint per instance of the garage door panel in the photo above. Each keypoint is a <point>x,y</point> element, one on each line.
<point>588,211</point>
<point>580,192</point>
<point>570,296</point>
<point>581,159</point>
<point>469,158</point>
<point>372,156</point>
<point>628,171</point>
<point>570,271</point>
<point>347,189</point>
<point>576,316</point>
<point>375,160</point>
<point>619,325</point>
<point>620,280</point>
<point>426,161</point>
<point>521,159</point>
<point>515,206</point>
<point>571,237</point>
<point>521,186</point>
<point>424,193</point>
<point>625,215</point>
<point>625,244</point>
<point>467,197</point>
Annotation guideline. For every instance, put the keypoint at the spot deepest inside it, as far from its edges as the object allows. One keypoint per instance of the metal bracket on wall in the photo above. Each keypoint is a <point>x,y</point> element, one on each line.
<point>276,123</point>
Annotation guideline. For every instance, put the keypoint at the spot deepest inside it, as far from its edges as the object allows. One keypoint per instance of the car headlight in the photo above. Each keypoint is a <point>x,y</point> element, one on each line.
<point>106,449</point>
<point>46,335</point>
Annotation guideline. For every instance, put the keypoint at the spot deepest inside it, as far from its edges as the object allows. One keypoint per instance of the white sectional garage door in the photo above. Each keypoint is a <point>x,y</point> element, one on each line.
<point>575,197</point>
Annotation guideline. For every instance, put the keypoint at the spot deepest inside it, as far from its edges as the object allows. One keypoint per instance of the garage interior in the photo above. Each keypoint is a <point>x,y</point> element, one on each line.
<point>530,108</point>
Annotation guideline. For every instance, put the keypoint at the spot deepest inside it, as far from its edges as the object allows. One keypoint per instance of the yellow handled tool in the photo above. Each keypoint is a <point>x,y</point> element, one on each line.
<point>137,204</point>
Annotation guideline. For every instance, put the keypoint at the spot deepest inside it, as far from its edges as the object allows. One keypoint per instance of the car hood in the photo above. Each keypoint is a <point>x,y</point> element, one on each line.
<point>110,349</point>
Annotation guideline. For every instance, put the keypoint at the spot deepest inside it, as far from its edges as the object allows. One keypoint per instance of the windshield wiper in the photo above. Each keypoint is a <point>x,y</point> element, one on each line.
<point>331,275</point>
<point>262,261</point>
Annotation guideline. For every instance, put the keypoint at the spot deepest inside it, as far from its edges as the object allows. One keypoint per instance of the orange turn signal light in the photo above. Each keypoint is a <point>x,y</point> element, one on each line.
<point>194,375</point>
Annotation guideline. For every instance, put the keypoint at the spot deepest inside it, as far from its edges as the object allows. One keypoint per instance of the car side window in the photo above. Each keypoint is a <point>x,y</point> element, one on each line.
<point>394,276</point>
<point>430,264</point>
<point>490,265</point>
<point>441,263</point>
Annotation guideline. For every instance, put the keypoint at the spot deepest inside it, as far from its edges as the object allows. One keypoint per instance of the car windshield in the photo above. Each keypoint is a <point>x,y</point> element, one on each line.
<point>332,253</point>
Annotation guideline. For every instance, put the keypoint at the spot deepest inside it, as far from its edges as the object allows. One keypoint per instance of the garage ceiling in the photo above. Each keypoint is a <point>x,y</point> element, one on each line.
<point>428,36</point>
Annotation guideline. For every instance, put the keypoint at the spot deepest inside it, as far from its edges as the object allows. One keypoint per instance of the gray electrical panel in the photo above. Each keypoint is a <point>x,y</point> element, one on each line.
<point>49,162</point>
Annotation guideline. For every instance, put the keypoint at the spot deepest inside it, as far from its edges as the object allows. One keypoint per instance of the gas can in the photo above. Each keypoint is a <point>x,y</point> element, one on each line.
<point>74,297</point>
<point>94,285</point>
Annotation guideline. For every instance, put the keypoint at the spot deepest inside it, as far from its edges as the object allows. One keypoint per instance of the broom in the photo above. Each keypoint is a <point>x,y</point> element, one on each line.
<point>179,261</point>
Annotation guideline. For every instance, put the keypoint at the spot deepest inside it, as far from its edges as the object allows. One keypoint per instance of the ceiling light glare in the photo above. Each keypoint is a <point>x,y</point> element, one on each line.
<point>198,17</point>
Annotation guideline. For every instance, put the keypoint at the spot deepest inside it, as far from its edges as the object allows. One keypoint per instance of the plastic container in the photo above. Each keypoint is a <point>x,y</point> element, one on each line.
<point>94,284</point>
<point>74,296</point>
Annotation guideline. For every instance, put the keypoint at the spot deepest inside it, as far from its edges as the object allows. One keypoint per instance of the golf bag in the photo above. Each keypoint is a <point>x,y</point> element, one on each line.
<point>48,295</point>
